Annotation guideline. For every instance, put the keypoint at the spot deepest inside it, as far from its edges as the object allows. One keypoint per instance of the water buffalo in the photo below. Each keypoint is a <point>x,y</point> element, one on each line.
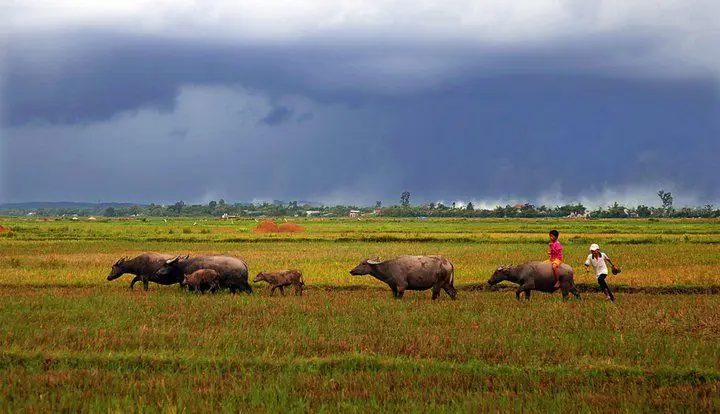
<point>412,273</point>
<point>232,270</point>
<point>281,280</point>
<point>144,267</point>
<point>203,280</point>
<point>536,276</point>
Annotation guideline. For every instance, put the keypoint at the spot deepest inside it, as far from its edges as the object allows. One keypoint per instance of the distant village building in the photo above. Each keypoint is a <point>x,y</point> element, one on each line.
<point>311,213</point>
<point>91,218</point>
<point>354,213</point>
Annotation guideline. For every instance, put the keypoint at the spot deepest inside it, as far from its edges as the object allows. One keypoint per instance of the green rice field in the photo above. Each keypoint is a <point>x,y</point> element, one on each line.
<point>72,341</point>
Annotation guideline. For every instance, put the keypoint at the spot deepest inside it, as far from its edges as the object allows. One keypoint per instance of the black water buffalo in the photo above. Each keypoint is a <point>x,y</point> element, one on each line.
<point>144,267</point>
<point>232,270</point>
<point>536,276</point>
<point>412,273</point>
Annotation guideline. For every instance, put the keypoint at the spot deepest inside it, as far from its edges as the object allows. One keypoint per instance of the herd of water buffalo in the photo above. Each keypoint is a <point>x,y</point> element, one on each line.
<point>214,272</point>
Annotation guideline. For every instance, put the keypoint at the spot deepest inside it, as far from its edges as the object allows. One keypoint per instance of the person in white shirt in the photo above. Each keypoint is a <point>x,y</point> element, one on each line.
<point>597,260</point>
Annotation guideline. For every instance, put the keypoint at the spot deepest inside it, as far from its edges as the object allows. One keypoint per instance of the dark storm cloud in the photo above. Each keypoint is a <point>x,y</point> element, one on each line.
<point>92,76</point>
<point>452,122</point>
<point>179,132</point>
<point>305,117</point>
<point>277,115</point>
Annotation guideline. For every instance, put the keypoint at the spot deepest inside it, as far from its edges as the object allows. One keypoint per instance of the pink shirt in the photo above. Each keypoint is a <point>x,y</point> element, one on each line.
<point>556,250</point>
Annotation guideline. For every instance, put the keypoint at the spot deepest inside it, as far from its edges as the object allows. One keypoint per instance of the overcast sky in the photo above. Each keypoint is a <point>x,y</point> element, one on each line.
<point>495,101</point>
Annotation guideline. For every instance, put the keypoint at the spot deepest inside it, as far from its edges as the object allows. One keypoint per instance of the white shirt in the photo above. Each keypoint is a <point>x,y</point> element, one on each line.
<point>598,264</point>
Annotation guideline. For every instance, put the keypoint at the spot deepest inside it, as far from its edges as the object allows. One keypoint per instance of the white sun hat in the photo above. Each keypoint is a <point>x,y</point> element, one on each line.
<point>594,247</point>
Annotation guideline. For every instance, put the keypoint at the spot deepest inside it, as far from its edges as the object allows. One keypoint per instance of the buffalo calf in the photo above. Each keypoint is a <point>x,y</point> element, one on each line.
<point>203,280</point>
<point>281,280</point>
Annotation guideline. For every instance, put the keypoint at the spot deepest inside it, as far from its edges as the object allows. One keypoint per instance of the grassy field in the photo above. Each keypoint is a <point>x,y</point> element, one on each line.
<point>70,340</point>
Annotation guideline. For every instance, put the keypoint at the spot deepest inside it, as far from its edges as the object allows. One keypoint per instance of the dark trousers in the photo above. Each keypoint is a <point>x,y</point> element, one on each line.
<point>604,286</point>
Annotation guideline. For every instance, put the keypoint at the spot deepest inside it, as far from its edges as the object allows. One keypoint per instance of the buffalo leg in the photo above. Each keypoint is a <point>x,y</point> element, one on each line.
<point>526,287</point>
<point>574,291</point>
<point>401,289</point>
<point>282,290</point>
<point>564,293</point>
<point>272,290</point>
<point>135,280</point>
<point>450,290</point>
<point>394,291</point>
<point>435,292</point>
<point>146,283</point>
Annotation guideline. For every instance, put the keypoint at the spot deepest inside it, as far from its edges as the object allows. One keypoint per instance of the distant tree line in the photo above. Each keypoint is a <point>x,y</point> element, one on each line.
<point>403,209</point>
<point>527,210</point>
<point>569,210</point>
<point>181,209</point>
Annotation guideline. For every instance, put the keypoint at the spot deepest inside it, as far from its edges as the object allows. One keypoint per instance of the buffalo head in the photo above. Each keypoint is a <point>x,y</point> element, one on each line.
<point>117,269</point>
<point>365,268</point>
<point>260,277</point>
<point>500,274</point>
<point>172,265</point>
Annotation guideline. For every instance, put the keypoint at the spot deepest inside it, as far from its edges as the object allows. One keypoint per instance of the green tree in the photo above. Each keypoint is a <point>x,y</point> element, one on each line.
<point>405,199</point>
<point>643,211</point>
<point>616,211</point>
<point>110,212</point>
<point>470,206</point>
<point>136,210</point>
<point>666,198</point>
<point>177,207</point>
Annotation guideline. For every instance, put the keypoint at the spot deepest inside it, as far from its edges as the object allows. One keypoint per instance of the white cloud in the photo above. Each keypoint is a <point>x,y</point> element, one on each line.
<point>629,196</point>
<point>683,33</point>
<point>276,19</point>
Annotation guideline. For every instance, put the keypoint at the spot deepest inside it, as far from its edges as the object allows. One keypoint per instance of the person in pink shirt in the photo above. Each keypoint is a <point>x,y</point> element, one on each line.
<point>555,251</point>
